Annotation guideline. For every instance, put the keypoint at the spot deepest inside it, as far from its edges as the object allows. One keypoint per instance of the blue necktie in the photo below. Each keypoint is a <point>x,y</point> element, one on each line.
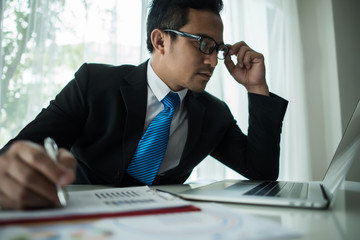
<point>152,146</point>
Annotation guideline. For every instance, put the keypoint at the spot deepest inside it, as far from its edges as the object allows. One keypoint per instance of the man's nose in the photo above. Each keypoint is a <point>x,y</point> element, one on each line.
<point>211,59</point>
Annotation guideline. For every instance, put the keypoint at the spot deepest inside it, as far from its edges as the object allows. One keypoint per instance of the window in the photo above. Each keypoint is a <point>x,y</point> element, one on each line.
<point>44,42</point>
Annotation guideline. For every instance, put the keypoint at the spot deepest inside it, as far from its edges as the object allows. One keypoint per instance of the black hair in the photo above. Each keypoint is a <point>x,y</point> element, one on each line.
<point>174,14</point>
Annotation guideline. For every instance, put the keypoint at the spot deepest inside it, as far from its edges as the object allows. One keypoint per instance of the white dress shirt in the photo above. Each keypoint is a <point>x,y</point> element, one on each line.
<point>157,90</point>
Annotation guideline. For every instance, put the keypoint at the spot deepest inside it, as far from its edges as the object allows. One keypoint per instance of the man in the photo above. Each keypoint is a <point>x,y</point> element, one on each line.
<point>101,118</point>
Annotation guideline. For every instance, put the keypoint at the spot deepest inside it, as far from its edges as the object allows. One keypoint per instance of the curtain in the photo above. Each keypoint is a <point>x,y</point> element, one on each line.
<point>270,27</point>
<point>26,27</point>
<point>298,41</point>
<point>44,42</point>
<point>2,3</point>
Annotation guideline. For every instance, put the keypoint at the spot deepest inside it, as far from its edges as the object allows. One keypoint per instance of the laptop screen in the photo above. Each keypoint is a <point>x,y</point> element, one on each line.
<point>348,149</point>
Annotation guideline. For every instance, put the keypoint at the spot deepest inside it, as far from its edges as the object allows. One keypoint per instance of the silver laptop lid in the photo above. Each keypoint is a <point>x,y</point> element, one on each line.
<point>347,150</point>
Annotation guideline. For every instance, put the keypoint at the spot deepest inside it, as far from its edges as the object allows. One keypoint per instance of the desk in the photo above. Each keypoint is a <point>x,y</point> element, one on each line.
<point>341,221</point>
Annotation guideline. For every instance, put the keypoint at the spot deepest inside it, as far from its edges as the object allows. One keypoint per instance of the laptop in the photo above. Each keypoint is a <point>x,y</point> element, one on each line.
<point>319,194</point>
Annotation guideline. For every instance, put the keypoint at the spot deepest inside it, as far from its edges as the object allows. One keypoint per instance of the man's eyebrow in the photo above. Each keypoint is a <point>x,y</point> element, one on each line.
<point>205,35</point>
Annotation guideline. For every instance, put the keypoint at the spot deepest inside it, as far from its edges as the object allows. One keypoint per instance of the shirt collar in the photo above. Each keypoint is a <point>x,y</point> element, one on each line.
<point>158,87</point>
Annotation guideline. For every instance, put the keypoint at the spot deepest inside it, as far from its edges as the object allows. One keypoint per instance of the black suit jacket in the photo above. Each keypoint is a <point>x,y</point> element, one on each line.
<point>100,116</point>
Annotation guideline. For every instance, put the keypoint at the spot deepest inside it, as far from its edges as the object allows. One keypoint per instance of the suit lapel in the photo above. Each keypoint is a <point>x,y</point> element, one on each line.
<point>135,99</point>
<point>196,112</point>
<point>134,94</point>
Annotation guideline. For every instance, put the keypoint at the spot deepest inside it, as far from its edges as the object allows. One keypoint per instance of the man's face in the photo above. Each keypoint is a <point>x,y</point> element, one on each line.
<point>186,66</point>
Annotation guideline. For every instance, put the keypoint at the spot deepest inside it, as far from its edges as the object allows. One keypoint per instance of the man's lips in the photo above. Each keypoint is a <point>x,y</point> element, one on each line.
<point>205,75</point>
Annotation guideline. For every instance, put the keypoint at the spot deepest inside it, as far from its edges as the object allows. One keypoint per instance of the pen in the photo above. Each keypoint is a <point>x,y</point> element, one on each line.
<point>167,192</point>
<point>52,149</point>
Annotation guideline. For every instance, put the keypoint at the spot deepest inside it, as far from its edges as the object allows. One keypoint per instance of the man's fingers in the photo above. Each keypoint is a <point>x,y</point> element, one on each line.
<point>247,59</point>
<point>68,164</point>
<point>244,52</point>
<point>31,179</point>
<point>12,196</point>
<point>36,157</point>
<point>67,159</point>
<point>234,49</point>
<point>239,50</point>
<point>28,176</point>
<point>229,64</point>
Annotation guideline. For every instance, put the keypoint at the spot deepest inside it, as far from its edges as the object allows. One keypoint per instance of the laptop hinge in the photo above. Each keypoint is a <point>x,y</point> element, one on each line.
<point>325,193</point>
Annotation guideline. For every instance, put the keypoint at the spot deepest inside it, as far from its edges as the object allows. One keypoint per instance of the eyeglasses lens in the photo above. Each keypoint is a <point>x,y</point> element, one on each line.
<point>207,46</point>
<point>222,52</point>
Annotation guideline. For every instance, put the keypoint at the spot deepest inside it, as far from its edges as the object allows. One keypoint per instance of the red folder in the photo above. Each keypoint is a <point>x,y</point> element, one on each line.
<point>189,208</point>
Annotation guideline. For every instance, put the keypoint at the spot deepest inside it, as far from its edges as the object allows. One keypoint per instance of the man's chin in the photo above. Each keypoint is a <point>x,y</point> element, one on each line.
<point>198,89</point>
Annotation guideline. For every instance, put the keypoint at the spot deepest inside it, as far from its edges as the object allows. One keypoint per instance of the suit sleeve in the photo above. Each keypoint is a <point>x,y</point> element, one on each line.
<point>255,156</point>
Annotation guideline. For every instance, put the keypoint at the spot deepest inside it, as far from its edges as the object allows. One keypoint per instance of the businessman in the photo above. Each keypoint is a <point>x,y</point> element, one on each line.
<point>152,123</point>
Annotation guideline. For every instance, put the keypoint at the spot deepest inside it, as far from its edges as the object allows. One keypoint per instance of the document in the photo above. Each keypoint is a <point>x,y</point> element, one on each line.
<point>112,202</point>
<point>214,221</point>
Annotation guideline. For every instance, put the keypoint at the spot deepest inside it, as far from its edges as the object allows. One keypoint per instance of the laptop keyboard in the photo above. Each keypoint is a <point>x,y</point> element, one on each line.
<point>279,189</point>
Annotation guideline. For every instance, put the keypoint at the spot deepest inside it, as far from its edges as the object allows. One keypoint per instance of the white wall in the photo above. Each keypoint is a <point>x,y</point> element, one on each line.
<point>347,37</point>
<point>321,82</point>
<point>330,33</point>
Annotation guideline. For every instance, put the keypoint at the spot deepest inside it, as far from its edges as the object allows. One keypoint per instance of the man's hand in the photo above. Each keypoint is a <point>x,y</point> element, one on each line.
<point>28,176</point>
<point>250,68</point>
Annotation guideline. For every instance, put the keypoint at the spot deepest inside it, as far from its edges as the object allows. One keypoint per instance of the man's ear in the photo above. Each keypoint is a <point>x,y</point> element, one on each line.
<point>157,40</point>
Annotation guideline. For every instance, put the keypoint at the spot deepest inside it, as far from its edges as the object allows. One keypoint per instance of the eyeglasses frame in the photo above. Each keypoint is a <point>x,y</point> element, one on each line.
<point>200,38</point>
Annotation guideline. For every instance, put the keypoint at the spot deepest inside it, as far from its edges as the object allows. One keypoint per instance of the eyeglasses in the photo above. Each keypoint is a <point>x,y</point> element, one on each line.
<point>207,45</point>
